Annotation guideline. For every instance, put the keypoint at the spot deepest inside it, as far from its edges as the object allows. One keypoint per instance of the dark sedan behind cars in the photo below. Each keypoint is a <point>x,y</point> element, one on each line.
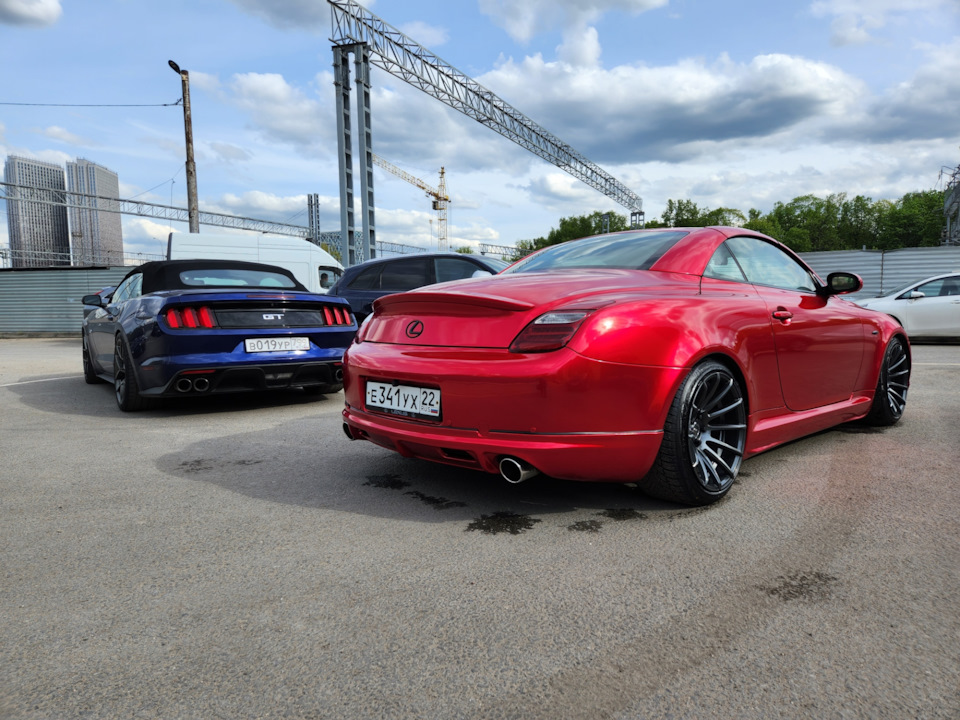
<point>362,284</point>
<point>185,328</point>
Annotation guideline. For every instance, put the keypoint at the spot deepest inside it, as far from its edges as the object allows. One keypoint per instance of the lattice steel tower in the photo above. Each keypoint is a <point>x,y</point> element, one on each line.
<point>371,40</point>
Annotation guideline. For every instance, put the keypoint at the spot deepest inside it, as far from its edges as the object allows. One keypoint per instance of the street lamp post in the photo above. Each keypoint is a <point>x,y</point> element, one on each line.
<point>193,207</point>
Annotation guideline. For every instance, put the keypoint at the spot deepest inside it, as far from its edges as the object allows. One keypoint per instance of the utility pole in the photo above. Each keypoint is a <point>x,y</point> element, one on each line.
<point>193,207</point>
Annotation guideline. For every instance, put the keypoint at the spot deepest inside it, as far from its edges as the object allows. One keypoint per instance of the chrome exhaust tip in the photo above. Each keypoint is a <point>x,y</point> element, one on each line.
<point>515,471</point>
<point>201,384</point>
<point>183,385</point>
<point>338,374</point>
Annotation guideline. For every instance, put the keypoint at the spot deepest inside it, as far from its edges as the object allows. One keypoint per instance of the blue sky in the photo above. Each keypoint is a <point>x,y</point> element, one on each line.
<point>736,104</point>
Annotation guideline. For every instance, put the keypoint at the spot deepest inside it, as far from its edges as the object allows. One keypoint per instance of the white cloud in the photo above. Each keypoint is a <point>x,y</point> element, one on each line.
<point>429,36</point>
<point>640,113</point>
<point>855,21</point>
<point>36,13</point>
<point>523,19</point>
<point>58,133</point>
<point>230,153</point>
<point>256,203</point>
<point>581,47</point>
<point>296,14</point>
<point>282,111</point>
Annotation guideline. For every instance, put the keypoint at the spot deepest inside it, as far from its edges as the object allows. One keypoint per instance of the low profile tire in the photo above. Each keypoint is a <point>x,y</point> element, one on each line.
<point>703,439</point>
<point>890,399</point>
<point>89,376</point>
<point>125,384</point>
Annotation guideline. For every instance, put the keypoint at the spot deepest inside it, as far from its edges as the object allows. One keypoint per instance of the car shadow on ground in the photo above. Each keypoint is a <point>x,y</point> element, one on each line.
<point>71,395</point>
<point>309,463</point>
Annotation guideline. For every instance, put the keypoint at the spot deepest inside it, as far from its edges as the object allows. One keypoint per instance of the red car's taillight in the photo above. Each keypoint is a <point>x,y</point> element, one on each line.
<point>190,317</point>
<point>550,331</point>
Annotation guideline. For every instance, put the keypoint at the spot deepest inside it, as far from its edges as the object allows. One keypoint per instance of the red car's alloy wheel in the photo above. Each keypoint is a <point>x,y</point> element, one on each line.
<point>703,439</point>
<point>716,430</point>
<point>890,399</point>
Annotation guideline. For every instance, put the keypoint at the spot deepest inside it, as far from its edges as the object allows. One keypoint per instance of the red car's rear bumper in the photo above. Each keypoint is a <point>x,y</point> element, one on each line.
<point>623,457</point>
<point>566,415</point>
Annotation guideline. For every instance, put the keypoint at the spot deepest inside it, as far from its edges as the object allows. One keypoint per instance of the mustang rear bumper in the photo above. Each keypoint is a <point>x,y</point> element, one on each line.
<point>247,378</point>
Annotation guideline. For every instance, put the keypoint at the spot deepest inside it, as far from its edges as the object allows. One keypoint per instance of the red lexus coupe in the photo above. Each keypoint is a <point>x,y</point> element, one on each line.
<point>661,357</point>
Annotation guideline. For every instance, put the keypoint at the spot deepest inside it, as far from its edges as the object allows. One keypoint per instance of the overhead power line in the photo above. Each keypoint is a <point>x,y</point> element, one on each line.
<point>22,104</point>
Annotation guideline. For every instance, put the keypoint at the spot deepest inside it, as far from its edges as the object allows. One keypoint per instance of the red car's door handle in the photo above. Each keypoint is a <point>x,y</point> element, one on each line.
<point>782,315</point>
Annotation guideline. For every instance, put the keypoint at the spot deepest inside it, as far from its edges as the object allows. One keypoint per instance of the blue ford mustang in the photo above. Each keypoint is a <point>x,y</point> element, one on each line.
<point>193,327</point>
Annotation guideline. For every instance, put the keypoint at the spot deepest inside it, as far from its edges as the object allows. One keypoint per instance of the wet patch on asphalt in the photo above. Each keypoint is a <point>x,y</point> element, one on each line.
<point>437,503</point>
<point>387,482</point>
<point>860,429</point>
<point>512,523</point>
<point>192,467</point>
<point>800,585</point>
<point>503,522</point>
<point>586,526</point>
<point>621,514</point>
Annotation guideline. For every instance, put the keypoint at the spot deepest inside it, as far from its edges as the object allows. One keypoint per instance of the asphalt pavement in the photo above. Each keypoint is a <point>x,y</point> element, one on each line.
<point>241,558</point>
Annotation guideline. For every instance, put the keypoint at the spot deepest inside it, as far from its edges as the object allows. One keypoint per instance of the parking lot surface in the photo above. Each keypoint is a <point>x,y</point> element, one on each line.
<point>241,558</point>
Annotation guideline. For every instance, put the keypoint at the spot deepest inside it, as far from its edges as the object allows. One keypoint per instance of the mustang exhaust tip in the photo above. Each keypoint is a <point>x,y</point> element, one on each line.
<point>515,471</point>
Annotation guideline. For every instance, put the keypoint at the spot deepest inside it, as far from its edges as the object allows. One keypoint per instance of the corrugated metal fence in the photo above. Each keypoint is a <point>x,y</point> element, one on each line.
<point>48,301</point>
<point>884,271</point>
<point>40,302</point>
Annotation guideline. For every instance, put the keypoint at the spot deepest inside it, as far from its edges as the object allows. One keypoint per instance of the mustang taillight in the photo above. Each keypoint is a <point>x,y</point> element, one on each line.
<point>190,317</point>
<point>550,331</point>
<point>336,315</point>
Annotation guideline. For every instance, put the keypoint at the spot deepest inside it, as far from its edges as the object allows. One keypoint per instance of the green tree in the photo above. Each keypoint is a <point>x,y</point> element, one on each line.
<point>580,226</point>
<point>525,247</point>
<point>915,220</point>
<point>730,217</point>
<point>682,213</point>
<point>858,223</point>
<point>464,250</point>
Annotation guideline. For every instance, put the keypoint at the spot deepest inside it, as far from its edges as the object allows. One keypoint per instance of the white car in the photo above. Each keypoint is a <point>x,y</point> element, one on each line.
<point>925,308</point>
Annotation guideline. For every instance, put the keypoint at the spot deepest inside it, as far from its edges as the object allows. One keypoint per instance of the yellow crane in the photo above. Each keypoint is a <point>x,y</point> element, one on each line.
<point>438,195</point>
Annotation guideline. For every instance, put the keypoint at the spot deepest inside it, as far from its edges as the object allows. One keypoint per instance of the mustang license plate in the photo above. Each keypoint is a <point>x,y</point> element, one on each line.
<point>405,400</point>
<point>278,344</point>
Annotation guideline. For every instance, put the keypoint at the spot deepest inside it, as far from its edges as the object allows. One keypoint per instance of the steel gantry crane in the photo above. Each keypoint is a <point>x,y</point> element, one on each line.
<point>439,195</point>
<point>358,32</point>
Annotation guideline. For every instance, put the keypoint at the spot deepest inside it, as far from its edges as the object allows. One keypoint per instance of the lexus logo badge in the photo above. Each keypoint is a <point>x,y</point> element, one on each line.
<point>414,329</point>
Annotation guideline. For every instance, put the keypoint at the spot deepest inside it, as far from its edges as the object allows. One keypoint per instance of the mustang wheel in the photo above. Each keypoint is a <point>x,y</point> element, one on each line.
<point>703,439</point>
<point>89,376</point>
<point>125,379</point>
<point>890,400</point>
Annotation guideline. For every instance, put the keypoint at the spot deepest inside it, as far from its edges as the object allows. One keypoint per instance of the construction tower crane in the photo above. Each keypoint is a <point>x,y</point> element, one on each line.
<point>439,195</point>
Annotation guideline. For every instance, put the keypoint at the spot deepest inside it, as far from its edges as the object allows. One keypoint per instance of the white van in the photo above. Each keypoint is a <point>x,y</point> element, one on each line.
<point>313,266</point>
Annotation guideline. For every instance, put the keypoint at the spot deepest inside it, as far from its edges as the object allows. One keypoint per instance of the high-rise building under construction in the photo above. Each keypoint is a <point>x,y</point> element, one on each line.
<point>95,232</point>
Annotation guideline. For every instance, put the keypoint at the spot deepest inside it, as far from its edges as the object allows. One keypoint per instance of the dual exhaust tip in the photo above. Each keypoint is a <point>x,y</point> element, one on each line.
<point>202,384</point>
<point>185,384</point>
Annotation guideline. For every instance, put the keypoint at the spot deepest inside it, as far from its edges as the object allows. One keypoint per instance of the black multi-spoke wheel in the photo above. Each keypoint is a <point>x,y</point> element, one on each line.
<point>125,379</point>
<point>89,374</point>
<point>703,439</point>
<point>890,399</point>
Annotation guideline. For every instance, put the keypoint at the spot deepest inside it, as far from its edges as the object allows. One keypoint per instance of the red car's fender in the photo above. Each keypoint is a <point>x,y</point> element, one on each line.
<point>728,320</point>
